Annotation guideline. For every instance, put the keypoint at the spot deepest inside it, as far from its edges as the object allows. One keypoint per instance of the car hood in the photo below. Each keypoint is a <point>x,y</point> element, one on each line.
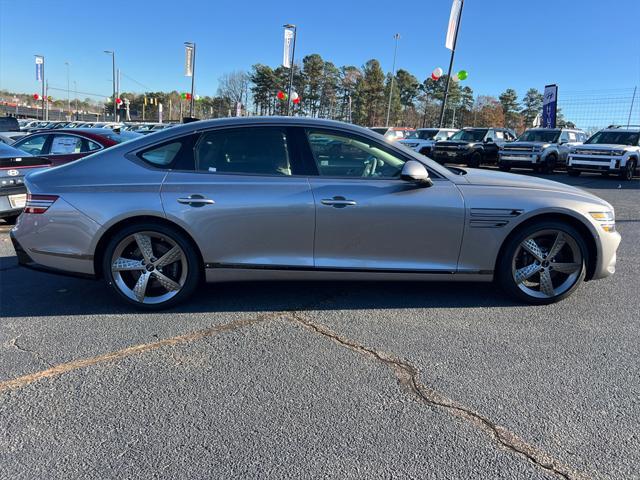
<point>526,144</point>
<point>490,178</point>
<point>421,141</point>
<point>602,146</point>
<point>453,143</point>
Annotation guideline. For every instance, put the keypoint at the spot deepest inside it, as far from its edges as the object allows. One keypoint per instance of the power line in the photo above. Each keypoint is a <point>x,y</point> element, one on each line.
<point>135,81</point>
<point>83,93</point>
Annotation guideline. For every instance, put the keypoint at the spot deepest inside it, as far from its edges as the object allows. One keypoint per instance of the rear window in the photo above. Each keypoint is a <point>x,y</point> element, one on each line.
<point>9,124</point>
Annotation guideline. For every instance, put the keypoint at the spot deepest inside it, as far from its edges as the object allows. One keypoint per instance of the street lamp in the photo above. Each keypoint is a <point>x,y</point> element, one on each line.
<point>68,89</point>
<point>192,47</point>
<point>113,66</point>
<point>393,74</point>
<point>293,54</point>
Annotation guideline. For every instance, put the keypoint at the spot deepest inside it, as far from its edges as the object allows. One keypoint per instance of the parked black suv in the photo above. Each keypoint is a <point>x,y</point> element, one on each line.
<point>472,146</point>
<point>9,124</point>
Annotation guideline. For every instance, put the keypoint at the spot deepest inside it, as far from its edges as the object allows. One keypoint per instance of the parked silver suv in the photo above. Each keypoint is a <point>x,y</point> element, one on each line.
<point>423,139</point>
<point>540,149</point>
<point>612,150</point>
<point>300,198</point>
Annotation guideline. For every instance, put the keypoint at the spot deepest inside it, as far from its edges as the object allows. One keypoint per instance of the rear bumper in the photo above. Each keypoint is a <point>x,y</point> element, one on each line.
<point>26,261</point>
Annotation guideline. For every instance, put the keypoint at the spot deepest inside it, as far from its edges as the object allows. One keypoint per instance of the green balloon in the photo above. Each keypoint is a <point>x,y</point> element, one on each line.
<point>462,74</point>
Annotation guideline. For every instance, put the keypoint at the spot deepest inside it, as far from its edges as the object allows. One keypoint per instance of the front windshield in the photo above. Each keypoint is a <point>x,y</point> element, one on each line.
<point>475,135</point>
<point>423,134</point>
<point>615,138</point>
<point>546,136</point>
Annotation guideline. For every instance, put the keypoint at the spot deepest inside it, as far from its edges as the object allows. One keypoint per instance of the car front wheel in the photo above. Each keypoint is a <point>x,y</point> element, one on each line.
<point>543,263</point>
<point>151,266</point>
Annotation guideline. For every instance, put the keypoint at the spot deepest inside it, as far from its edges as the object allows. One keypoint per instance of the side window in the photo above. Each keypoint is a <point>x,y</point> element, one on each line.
<point>33,145</point>
<point>65,145</point>
<point>572,136</point>
<point>163,155</point>
<point>250,151</point>
<point>499,135</point>
<point>90,146</point>
<point>564,137</point>
<point>342,155</point>
<point>490,135</point>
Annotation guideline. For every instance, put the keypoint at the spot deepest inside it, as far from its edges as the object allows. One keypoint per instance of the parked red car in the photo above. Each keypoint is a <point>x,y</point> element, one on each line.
<point>66,145</point>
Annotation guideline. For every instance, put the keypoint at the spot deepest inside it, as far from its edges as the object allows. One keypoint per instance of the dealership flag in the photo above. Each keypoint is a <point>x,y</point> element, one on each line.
<point>550,106</point>
<point>188,61</point>
<point>39,62</point>
<point>286,58</point>
<point>454,20</point>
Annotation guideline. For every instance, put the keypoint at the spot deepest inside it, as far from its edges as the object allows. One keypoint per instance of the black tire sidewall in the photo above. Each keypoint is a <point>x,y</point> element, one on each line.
<point>475,160</point>
<point>504,274</point>
<point>193,263</point>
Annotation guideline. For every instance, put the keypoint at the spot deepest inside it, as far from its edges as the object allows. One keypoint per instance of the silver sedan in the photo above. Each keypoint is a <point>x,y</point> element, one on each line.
<point>291,198</point>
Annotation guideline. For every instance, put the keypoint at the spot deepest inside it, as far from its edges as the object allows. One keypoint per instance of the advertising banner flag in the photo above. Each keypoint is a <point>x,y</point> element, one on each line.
<point>550,106</point>
<point>286,57</point>
<point>188,60</point>
<point>39,63</point>
<point>454,19</point>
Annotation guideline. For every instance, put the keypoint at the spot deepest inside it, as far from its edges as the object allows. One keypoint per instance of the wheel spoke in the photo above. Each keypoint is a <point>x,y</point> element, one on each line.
<point>144,244</point>
<point>166,282</point>
<point>565,267</point>
<point>558,243</point>
<point>546,284</point>
<point>524,273</point>
<point>532,247</point>
<point>141,286</point>
<point>171,256</point>
<point>124,264</point>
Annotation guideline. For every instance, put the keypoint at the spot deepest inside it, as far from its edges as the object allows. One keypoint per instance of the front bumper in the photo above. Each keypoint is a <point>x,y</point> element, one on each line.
<point>606,262</point>
<point>451,156</point>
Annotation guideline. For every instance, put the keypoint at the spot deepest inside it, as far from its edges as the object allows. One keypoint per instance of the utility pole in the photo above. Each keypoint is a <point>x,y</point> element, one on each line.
<point>293,55</point>
<point>75,94</point>
<point>631,109</point>
<point>116,105</point>
<point>396,37</point>
<point>453,53</point>
<point>113,71</point>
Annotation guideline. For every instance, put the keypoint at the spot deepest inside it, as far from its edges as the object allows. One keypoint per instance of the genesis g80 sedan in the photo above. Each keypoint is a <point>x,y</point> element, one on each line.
<point>294,198</point>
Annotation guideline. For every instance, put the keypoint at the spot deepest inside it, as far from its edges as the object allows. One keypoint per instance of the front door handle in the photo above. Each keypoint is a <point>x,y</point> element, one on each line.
<point>196,200</point>
<point>337,202</point>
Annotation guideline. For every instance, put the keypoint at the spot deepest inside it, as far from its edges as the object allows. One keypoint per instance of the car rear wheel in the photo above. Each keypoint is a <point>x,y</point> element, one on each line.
<point>543,263</point>
<point>151,266</point>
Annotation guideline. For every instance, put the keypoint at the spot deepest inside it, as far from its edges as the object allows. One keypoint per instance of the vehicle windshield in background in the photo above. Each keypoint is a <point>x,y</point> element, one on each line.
<point>547,136</point>
<point>9,124</point>
<point>615,138</point>
<point>123,136</point>
<point>423,134</point>
<point>470,135</point>
<point>381,131</point>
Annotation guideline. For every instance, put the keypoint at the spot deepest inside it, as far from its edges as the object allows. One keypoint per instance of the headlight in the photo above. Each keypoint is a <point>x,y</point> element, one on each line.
<point>606,219</point>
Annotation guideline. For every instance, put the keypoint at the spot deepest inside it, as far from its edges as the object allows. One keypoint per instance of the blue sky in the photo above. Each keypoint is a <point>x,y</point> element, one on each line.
<point>579,44</point>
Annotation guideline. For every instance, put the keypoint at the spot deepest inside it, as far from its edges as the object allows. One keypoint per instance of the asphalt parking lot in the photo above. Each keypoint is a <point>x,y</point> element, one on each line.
<point>307,380</point>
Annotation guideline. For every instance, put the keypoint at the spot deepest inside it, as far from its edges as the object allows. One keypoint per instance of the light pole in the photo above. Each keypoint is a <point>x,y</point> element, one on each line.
<point>293,54</point>
<point>192,45</point>
<point>75,94</point>
<point>396,37</point>
<point>113,67</point>
<point>68,90</point>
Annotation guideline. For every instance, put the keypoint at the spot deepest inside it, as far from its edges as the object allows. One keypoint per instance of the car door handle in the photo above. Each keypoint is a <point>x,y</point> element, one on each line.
<point>338,202</point>
<point>196,200</point>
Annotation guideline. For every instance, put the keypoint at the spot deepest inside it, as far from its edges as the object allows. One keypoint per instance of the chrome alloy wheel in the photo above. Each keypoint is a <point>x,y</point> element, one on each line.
<point>547,264</point>
<point>149,267</point>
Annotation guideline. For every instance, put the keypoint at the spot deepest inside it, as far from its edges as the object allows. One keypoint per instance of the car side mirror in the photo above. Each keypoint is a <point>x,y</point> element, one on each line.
<point>488,140</point>
<point>562,142</point>
<point>415,172</point>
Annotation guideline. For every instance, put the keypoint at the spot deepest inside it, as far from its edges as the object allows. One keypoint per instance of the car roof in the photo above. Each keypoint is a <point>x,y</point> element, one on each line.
<point>82,132</point>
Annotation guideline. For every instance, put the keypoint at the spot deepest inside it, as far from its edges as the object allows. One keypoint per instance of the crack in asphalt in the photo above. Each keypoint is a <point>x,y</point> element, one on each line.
<point>407,376</point>
<point>14,343</point>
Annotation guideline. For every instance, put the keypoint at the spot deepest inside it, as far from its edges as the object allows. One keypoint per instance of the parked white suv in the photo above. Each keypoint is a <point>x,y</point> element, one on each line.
<point>423,139</point>
<point>615,149</point>
<point>540,149</point>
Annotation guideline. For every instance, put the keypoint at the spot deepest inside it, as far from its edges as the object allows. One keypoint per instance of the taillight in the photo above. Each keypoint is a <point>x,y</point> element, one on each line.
<point>39,203</point>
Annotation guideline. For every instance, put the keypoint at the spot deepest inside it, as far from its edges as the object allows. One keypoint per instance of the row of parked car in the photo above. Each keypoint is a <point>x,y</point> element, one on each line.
<point>614,150</point>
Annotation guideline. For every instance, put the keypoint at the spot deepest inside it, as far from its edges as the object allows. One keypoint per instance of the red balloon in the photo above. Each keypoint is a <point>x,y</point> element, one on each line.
<point>281,95</point>
<point>118,100</point>
<point>296,100</point>
<point>36,96</point>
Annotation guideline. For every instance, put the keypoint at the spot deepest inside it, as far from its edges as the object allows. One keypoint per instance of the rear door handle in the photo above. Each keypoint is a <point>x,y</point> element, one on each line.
<point>196,200</point>
<point>337,202</point>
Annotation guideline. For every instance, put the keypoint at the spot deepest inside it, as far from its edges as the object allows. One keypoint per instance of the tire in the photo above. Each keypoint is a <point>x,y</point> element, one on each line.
<point>548,165</point>
<point>573,173</point>
<point>504,168</point>
<point>540,278</point>
<point>627,173</point>
<point>475,160</point>
<point>11,220</point>
<point>170,279</point>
